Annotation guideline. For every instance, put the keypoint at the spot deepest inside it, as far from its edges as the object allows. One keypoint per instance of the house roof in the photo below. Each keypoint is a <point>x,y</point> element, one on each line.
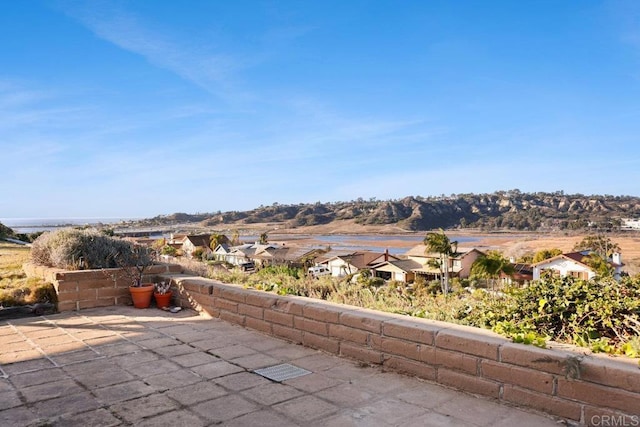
<point>421,251</point>
<point>271,253</point>
<point>298,253</point>
<point>222,248</point>
<point>406,265</point>
<point>576,257</point>
<point>522,268</point>
<point>334,253</point>
<point>522,271</point>
<point>203,240</point>
<point>255,250</point>
<point>259,247</point>
<point>360,259</point>
<point>245,250</point>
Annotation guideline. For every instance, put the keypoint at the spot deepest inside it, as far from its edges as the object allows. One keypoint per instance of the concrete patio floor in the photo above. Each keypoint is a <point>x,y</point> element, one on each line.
<point>124,366</point>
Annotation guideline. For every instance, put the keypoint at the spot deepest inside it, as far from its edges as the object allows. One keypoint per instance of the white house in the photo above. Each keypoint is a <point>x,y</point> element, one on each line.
<point>221,252</point>
<point>572,264</point>
<point>630,224</point>
<point>351,263</point>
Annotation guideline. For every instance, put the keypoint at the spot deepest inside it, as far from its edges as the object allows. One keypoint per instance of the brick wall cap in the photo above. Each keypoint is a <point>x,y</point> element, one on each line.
<point>416,322</point>
<point>463,330</point>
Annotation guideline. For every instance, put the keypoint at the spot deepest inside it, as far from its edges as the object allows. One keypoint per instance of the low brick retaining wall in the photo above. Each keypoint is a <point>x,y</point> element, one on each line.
<point>92,288</point>
<point>564,383</point>
<point>589,389</point>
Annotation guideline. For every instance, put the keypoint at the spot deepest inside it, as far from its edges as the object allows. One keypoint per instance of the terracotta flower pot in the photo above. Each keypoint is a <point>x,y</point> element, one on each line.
<point>141,295</point>
<point>162,300</point>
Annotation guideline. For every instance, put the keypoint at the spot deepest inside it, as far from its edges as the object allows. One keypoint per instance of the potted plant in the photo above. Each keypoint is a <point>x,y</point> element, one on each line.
<point>132,265</point>
<point>162,294</point>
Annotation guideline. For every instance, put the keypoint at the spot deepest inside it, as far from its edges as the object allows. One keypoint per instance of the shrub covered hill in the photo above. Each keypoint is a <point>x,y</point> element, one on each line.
<point>512,210</point>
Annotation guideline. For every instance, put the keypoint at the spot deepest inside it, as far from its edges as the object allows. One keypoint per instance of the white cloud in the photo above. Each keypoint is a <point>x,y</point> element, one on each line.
<point>211,70</point>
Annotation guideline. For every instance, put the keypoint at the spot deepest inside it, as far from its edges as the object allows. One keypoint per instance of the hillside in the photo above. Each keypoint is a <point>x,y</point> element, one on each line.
<point>501,210</point>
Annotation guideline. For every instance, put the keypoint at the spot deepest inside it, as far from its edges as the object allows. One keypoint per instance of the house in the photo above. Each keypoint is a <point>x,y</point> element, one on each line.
<point>401,270</point>
<point>352,262</point>
<point>522,274</point>
<point>176,238</point>
<point>252,252</point>
<point>459,263</point>
<point>573,264</point>
<point>191,243</point>
<point>293,256</point>
<point>270,255</point>
<point>221,251</point>
<point>240,254</point>
<point>630,224</point>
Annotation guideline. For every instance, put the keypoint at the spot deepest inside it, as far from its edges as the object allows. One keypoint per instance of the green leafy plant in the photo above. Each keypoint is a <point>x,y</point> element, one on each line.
<point>602,315</point>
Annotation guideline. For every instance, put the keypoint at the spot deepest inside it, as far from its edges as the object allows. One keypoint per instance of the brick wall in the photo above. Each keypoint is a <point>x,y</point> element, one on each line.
<point>92,288</point>
<point>465,358</point>
<point>470,359</point>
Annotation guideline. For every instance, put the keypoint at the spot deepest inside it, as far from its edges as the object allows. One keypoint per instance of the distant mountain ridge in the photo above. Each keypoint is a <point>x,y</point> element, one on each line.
<point>512,210</point>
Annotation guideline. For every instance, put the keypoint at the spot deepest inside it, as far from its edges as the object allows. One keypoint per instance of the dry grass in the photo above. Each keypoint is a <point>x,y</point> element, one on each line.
<point>15,287</point>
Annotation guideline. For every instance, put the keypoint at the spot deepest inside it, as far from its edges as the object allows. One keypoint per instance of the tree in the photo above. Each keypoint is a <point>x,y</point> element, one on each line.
<point>6,231</point>
<point>158,244</point>
<point>235,238</point>
<point>598,243</point>
<point>440,243</point>
<point>169,250</point>
<point>543,254</point>
<point>599,265</point>
<point>602,248</point>
<point>264,238</point>
<point>217,239</point>
<point>491,265</point>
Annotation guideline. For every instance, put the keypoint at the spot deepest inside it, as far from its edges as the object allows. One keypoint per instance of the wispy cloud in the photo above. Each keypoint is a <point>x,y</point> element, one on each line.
<point>211,70</point>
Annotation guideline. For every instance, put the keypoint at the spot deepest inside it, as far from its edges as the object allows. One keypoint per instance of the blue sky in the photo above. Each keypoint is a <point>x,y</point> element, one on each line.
<point>141,108</point>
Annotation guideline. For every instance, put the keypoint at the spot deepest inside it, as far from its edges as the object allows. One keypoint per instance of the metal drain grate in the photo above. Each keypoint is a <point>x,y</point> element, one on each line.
<point>282,372</point>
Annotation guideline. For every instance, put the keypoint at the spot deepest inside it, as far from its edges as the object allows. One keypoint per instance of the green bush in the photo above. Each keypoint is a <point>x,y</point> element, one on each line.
<point>75,249</point>
<point>278,270</point>
<point>169,250</point>
<point>603,315</point>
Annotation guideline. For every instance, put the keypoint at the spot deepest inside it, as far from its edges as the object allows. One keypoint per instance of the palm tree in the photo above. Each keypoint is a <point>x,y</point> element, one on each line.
<point>235,238</point>
<point>217,239</point>
<point>440,243</point>
<point>491,266</point>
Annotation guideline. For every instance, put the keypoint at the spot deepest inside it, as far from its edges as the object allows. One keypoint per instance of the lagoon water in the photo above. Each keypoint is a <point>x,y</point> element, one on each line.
<point>33,225</point>
<point>360,242</point>
<point>336,241</point>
